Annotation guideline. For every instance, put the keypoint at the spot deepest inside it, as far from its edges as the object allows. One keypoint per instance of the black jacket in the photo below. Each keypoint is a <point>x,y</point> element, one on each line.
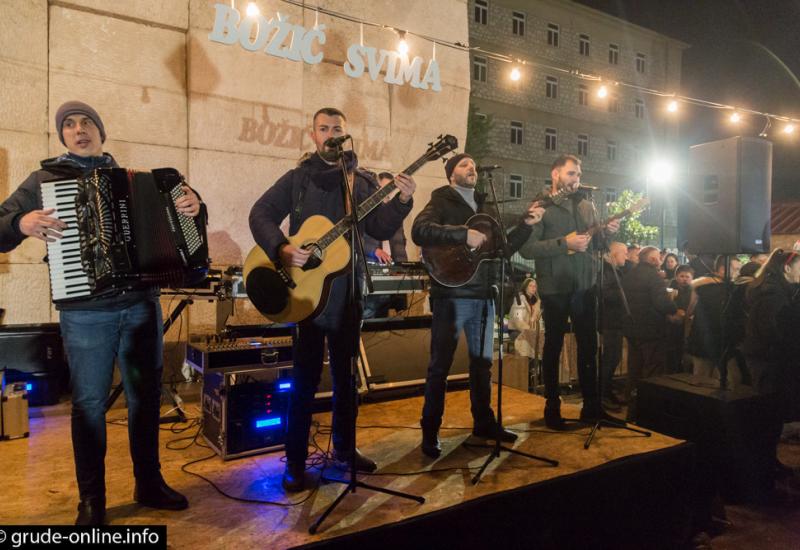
<point>442,222</point>
<point>649,303</point>
<point>772,321</point>
<point>28,197</point>
<point>613,310</point>
<point>705,337</point>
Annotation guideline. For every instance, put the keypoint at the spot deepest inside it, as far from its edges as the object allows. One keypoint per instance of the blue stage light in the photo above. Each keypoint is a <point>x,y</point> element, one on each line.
<point>268,422</point>
<point>285,386</point>
<point>28,387</point>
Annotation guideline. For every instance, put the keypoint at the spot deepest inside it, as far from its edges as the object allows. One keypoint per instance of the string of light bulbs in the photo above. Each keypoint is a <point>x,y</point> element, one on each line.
<point>673,99</point>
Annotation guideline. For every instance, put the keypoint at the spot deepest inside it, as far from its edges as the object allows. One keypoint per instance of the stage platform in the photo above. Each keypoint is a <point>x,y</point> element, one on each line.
<point>625,491</point>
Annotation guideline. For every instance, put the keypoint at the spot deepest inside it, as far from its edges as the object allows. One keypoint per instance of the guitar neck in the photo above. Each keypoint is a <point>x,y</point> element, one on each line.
<point>591,231</point>
<point>368,205</point>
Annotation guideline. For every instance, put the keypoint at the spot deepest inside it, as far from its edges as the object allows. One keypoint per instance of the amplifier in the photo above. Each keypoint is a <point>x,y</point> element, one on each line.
<point>35,354</point>
<point>244,411</point>
<point>14,419</point>
<point>235,354</point>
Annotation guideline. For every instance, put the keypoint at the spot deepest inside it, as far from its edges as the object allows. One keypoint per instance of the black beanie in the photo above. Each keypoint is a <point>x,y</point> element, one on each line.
<point>78,108</point>
<point>451,163</point>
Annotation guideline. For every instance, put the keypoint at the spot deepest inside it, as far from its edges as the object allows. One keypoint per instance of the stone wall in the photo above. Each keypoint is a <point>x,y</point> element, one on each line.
<point>231,120</point>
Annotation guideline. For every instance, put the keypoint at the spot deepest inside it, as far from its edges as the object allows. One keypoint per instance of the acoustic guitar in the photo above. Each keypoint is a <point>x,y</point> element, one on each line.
<point>292,294</point>
<point>455,265</point>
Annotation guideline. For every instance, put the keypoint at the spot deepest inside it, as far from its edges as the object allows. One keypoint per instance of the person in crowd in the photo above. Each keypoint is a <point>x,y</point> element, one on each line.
<point>613,312</point>
<point>314,187</point>
<point>469,308</point>
<point>645,328</point>
<point>772,350</point>
<point>119,325</point>
<point>525,317</point>
<point>566,272</point>
<point>705,343</point>
<point>681,286</point>
<point>669,265</point>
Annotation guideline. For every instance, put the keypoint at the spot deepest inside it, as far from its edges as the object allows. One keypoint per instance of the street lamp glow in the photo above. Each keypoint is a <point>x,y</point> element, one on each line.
<point>252,10</point>
<point>602,91</point>
<point>788,129</point>
<point>515,74</point>
<point>661,172</point>
<point>672,106</point>
<point>735,117</point>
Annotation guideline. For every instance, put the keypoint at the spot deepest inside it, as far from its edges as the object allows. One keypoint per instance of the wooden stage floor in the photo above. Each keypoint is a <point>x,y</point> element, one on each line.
<point>38,482</point>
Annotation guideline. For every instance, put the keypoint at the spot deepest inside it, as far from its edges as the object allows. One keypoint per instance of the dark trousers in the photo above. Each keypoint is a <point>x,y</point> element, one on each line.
<point>557,309</point>
<point>94,340</point>
<point>612,355</point>
<point>646,358</point>
<point>340,327</point>
<point>450,316</point>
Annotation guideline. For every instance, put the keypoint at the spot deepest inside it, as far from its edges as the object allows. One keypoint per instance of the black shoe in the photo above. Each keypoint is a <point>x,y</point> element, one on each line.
<point>91,512</point>
<point>494,431</point>
<point>155,493</point>
<point>430,438</point>
<point>294,477</point>
<point>363,463</point>
<point>552,415</point>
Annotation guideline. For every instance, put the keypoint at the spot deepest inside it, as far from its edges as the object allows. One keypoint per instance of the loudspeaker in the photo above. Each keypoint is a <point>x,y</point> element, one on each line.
<point>35,354</point>
<point>398,349</point>
<point>727,427</point>
<point>728,199</point>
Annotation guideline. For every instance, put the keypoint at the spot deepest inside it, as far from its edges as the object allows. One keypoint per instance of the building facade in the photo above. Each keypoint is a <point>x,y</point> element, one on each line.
<point>550,109</point>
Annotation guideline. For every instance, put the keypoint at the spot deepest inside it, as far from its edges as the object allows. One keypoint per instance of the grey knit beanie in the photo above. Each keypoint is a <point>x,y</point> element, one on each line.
<point>75,108</point>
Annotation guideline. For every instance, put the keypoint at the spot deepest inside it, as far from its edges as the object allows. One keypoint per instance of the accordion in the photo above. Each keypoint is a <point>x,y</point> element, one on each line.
<point>123,231</point>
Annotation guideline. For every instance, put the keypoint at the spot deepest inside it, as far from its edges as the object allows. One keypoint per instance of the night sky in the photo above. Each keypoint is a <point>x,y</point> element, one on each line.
<point>728,63</point>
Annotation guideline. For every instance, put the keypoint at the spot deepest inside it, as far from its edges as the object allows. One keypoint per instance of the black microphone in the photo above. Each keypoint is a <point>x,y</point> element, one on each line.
<point>336,141</point>
<point>488,167</point>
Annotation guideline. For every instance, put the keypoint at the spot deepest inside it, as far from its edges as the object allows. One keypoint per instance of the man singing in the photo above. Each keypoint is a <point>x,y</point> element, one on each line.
<point>566,272</point>
<point>314,188</point>
<point>469,307</point>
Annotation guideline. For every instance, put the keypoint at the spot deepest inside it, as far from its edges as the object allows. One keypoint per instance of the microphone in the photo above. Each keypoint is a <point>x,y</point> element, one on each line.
<point>488,167</point>
<point>588,187</point>
<point>336,141</point>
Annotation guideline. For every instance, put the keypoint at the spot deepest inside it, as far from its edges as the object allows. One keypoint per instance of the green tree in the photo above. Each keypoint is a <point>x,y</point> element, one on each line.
<point>478,129</point>
<point>631,229</point>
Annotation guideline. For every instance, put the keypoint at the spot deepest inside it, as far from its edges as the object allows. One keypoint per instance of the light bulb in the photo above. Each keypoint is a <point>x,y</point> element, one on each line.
<point>252,10</point>
<point>672,106</point>
<point>602,91</point>
<point>515,74</point>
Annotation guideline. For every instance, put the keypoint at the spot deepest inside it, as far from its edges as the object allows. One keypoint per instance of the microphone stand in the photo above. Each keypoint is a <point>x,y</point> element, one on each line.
<point>353,309</point>
<point>504,257</point>
<point>598,297</point>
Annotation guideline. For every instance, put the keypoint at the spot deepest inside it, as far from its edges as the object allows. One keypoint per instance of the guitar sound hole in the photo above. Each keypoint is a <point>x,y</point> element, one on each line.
<point>315,260</point>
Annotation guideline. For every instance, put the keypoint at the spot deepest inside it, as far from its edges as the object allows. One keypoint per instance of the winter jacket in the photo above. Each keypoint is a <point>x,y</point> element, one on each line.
<point>649,303</point>
<point>442,222</point>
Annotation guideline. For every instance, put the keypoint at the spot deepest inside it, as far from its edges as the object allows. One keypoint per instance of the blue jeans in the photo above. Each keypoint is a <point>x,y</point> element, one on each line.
<point>93,340</point>
<point>476,318</point>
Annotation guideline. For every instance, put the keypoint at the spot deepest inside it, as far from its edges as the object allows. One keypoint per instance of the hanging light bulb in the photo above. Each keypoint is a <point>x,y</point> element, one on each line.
<point>735,117</point>
<point>788,129</point>
<point>672,106</point>
<point>602,91</point>
<point>402,47</point>
<point>252,10</point>
<point>515,74</point>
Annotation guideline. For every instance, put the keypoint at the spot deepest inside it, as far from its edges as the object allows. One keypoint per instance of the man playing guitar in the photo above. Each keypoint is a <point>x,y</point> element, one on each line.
<point>468,307</point>
<point>314,188</point>
<point>566,273</point>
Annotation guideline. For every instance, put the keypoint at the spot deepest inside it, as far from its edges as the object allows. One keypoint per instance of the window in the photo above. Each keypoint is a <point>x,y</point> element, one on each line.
<point>552,35</point>
<point>479,69</point>
<point>550,139</point>
<point>516,132</point>
<point>583,94</point>
<point>613,54</point>
<point>481,11</point>
<point>611,150</point>
<point>518,23</point>
<point>583,44</point>
<point>613,104</point>
<point>583,145</point>
<point>638,108</point>
<point>515,186</point>
<point>610,195</point>
<point>551,87</point>
<point>640,63</point>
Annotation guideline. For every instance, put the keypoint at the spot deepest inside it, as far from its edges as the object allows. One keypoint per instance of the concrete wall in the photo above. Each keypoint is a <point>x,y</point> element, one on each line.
<point>231,120</point>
